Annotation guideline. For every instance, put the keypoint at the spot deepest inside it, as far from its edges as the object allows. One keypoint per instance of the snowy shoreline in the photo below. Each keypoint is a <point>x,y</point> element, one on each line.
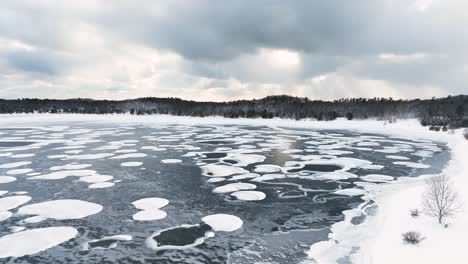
<point>379,237</point>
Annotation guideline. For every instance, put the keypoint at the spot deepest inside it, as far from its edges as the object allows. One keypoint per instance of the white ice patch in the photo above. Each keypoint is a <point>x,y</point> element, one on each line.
<point>335,176</point>
<point>25,155</point>
<point>170,161</point>
<point>12,202</point>
<point>150,203</point>
<point>4,215</point>
<point>150,209</point>
<point>2,192</point>
<point>101,185</point>
<point>19,171</point>
<point>218,179</point>
<point>96,178</point>
<point>149,215</point>
<point>249,195</point>
<point>377,178</point>
<point>14,164</point>
<point>70,167</point>
<point>244,159</point>
<point>396,157</point>
<point>153,148</point>
<point>34,240</point>
<point>7,179</point>
<point>233,187</point>
<point>351,192</point>
<point>412,164</point>
<point>223,222</point>
<point>267,168</point>
<point>244,176</point>
<point>61,209</point>
<point>216,170</point>
<point>131,164</point>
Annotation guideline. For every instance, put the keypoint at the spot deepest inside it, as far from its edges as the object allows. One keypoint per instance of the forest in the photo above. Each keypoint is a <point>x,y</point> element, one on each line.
<point>437,113</point>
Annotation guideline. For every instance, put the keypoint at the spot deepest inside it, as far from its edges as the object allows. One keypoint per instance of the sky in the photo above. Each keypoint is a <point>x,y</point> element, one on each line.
<point>229,50</point>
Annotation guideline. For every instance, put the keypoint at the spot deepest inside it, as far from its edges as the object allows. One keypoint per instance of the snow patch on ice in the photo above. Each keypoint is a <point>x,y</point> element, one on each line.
<point>223,222</point>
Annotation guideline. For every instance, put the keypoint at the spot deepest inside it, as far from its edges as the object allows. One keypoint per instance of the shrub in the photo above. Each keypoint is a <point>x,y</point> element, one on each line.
<point>412,237</point>
<point>414,212</point>
<point>465,134</point>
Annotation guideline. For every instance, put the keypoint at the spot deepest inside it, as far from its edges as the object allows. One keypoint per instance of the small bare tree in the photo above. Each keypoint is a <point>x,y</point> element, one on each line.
<point>440,200</point>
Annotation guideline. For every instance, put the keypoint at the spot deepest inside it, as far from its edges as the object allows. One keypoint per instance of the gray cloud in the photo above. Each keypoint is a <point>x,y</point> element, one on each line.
<point>227,48</point>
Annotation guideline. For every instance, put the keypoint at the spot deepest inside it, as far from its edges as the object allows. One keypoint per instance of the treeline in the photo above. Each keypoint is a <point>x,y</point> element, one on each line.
<point>439,113</point>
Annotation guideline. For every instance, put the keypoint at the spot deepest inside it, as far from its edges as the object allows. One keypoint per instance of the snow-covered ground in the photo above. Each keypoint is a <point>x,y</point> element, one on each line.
<point>379,238</point>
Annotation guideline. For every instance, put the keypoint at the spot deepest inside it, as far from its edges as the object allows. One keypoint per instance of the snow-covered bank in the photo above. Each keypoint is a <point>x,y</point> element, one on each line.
<point>379,238</point>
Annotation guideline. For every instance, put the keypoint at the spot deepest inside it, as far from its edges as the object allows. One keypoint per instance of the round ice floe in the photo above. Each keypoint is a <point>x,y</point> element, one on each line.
<point>267,168</point>
<point>19,171</point>
<point>34,240</point>
<point>351,192</point>
<point>131,164</point>
<point>14,164</point>
<point>149,215</point>
<point>150,207</point>
<point>249,195</point>
<point>71,167</point>
<point>4,215</point>
<point>213,180</point>
<point>150,203</point>
<point>244,176</point>
<point>61,209</point>
<point>12,202</point>
<point>377,178</point>
<point>216,170</point>
<point>25,155</point>
<point>396,157</point>
<point>223,222</point>
<point>412,164</point>
<point>7,179</point>
<point>233,187</point>
<point>170,161</point>
<point>101,185</point>
<point>96,178</point>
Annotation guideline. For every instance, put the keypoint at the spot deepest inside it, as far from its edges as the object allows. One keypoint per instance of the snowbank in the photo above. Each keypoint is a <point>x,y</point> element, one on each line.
<point>379,238</point>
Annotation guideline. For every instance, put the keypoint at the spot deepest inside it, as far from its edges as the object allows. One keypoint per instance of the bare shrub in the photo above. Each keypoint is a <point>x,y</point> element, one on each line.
<point>440,200</point>
<point>465,134</point>
<point>414,212</point>
<point>412,237</point>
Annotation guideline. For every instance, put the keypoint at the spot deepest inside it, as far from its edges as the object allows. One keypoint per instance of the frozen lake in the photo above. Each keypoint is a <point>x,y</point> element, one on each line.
<point>217,193</point>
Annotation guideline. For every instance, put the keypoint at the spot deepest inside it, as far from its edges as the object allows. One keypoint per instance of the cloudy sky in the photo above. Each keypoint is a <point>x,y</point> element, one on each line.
<point>227,50</point>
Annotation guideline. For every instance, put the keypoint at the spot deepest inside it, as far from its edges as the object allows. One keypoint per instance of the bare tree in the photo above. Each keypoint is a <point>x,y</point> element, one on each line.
<point>440,200</point>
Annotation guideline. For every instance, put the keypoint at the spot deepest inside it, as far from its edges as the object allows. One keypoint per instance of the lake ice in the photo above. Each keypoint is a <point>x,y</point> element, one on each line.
<point>164,193</point>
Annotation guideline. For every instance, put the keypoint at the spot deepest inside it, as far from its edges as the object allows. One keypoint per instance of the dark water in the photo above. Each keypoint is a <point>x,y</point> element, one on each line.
<point>296,212</point>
